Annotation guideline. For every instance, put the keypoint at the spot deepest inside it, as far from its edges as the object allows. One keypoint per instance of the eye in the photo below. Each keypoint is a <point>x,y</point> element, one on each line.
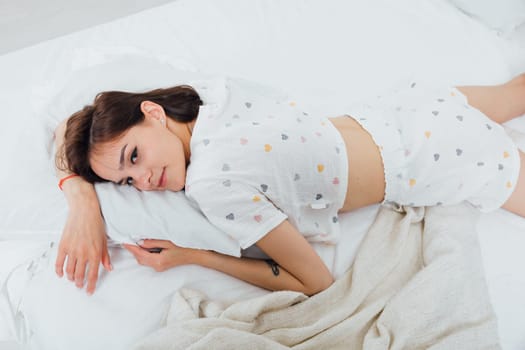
<point>133,157</point>
<point>129,181</point>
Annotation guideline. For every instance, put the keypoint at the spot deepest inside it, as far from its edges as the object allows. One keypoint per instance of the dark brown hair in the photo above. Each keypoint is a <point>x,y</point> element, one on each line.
<point>110,115</point>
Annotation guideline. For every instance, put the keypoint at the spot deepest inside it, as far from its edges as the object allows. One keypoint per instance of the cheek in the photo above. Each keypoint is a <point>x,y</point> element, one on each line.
<point>161,150</point>
<point>174,150</point>
<point>178,163</point>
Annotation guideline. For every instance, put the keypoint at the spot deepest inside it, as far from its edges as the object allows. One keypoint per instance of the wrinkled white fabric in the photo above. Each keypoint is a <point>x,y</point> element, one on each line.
<point>417,283</point>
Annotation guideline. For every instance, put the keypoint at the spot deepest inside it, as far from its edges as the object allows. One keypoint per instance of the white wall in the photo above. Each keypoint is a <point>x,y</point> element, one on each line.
<point>27,22</point>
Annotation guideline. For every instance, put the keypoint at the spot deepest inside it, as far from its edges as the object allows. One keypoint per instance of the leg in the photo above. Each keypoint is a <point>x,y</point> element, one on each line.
<point>500,103</point>
<point>516,202</point>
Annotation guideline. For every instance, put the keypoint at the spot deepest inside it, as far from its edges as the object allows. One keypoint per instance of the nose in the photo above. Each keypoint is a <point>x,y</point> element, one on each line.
<point>143,179</point>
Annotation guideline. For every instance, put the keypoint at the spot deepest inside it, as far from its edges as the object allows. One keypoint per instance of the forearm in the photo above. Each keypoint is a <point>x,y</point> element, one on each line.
<point>83,246</point>
<point>76,190</point>
<point>254,271</point>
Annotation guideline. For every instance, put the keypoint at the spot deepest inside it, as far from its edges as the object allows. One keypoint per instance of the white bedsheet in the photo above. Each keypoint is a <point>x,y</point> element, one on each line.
<point>325,53</point>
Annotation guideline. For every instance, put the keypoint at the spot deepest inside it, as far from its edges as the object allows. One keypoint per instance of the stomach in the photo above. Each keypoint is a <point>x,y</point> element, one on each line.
<point>366,173</point>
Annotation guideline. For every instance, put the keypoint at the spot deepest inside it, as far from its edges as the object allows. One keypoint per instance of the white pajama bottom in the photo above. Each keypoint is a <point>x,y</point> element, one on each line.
<point>438,150</point>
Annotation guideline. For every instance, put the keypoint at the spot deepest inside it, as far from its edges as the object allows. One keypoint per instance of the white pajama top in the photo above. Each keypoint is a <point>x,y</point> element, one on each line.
<point>257,160</point>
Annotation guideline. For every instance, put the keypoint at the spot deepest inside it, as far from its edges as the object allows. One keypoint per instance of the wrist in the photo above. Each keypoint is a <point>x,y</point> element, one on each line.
<point>66,178</point>
<point>199,257</point>
<point>80,193</point>
<point>71,183</point>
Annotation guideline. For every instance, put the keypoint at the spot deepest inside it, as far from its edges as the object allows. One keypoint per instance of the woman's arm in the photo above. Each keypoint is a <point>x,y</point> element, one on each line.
<point>298,265</point>
<point>300,268</point>
<point>83,241</point>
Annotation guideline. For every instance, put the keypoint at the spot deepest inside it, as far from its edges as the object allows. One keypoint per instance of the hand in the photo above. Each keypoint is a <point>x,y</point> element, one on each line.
<point>170,255</point>
<point>84,243</point>
<point>83,240</point>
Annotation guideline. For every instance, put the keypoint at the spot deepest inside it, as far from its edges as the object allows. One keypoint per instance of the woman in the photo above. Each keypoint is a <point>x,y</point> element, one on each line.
<point>272,175</point>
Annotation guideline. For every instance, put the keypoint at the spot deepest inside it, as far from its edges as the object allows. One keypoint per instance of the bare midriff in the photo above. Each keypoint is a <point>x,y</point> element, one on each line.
<point>366,178</point>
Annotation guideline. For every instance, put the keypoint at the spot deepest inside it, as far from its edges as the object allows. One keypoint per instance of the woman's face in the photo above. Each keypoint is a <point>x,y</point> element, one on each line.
<point>148,156</point>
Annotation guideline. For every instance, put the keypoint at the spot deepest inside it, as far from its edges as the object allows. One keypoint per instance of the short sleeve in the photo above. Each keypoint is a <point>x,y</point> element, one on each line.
<point>240,210</point>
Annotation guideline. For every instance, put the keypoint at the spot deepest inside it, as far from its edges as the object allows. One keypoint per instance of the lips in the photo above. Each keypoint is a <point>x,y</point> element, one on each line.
<point>162,180</point>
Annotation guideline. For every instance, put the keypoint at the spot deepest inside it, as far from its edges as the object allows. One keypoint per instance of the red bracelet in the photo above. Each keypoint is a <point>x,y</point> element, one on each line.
<point>64,179</point>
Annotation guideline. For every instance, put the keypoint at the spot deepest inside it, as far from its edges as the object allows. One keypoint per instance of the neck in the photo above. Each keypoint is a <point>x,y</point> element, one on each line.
<point>184,132</point>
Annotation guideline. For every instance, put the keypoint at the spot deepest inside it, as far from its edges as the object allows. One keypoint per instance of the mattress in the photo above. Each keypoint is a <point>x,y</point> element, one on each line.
<point>325,54</point>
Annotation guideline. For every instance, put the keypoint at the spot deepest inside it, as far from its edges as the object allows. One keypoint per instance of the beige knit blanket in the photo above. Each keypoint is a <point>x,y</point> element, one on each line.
<point>417,283</point>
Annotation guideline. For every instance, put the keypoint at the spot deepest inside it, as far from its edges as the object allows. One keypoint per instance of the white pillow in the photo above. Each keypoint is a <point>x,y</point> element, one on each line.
<point>132,215</point>
<point>122,71</point>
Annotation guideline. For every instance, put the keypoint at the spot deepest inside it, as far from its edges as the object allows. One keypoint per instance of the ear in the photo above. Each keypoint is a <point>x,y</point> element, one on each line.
<point>152,110</point>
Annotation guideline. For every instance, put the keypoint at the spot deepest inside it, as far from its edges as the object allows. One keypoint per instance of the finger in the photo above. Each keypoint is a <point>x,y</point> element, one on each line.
<point>146,243</point>
<point>141,255</point>
<point>92,276</point>
<point>80,273</point>
<point>59,263</point>
<point>155,243</point>
<point>70,267</point>
<point>106,261</point>
<point>135,250</point>
<point>153,246</point>
<point>130,247</point>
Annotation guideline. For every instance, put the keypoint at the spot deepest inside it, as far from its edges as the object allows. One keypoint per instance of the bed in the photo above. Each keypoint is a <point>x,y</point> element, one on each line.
<point>323,54</point>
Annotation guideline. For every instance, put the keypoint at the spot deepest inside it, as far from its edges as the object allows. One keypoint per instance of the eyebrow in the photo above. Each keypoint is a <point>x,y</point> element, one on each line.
<point>122,151</point>
<point>121,162</point>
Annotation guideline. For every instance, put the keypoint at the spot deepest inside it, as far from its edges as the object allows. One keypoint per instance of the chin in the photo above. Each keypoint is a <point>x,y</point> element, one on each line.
<point>174,188</point>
